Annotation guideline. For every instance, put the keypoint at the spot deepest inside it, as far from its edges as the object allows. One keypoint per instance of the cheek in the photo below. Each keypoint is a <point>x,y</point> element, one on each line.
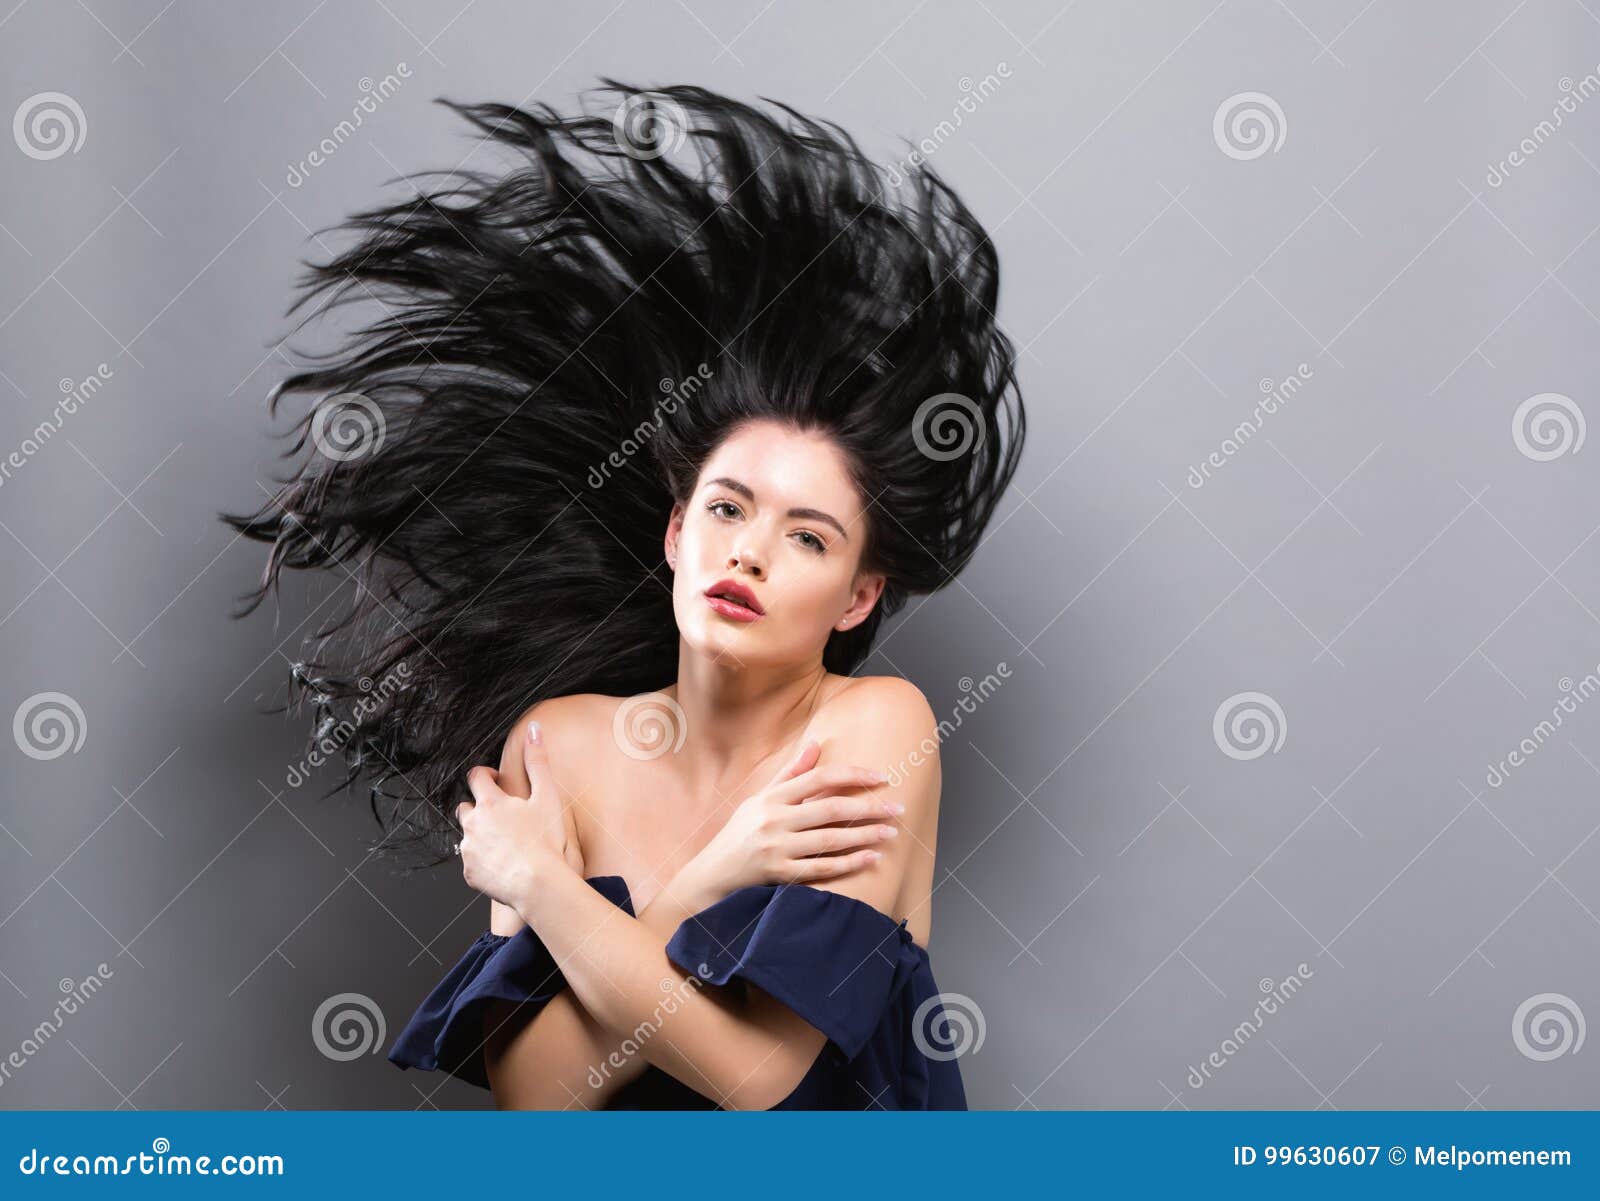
<point>820,592</point>
<point>697,538</point>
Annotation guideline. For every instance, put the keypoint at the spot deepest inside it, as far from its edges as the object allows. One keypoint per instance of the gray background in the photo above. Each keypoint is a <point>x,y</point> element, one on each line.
<point>1381,559</point>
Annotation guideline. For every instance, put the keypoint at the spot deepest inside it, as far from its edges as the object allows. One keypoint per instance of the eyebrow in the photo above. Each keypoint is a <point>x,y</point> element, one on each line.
<point>745,491</point>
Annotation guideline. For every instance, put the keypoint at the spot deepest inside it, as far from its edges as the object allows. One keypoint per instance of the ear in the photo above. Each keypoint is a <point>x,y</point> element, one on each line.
<point>674,532</point>
<point>868,588</point>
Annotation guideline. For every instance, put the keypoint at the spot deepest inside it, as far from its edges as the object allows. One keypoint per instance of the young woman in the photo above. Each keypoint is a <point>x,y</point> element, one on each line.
<point>656,429</point>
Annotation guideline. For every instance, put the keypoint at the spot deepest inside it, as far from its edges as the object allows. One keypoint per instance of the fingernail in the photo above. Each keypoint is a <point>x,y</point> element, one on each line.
<point>533,733</point>
<point>896,808</point>
<point>890,832</point>
<point>873,856</point>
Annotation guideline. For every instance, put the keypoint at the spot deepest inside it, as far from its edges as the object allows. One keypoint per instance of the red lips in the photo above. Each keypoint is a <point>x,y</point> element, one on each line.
<point>733,600</point>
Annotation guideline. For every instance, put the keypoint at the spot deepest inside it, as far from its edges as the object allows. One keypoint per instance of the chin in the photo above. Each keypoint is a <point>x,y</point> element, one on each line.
<point>731,646</point>
<point>708,634</point>
<point>735,646</point>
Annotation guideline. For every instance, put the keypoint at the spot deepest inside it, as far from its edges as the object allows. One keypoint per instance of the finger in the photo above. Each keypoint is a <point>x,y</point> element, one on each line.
<point>827,778</point>
<point>827,809</point>
<point>831,867</point>
<point>804,760</point>
<point>484,783</point>
<point>462,810</point>
<point>842,838</point>
<point>536,758</point>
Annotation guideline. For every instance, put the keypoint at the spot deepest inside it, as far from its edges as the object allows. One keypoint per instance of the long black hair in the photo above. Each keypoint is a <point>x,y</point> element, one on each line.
<point>555,350</point>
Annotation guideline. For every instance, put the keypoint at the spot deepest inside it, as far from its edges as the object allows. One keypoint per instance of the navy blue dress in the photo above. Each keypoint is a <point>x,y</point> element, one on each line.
<point>845,967</point>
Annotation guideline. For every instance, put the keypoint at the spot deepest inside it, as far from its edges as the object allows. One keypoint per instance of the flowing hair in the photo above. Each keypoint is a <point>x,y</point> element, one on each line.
<point>555,350</point>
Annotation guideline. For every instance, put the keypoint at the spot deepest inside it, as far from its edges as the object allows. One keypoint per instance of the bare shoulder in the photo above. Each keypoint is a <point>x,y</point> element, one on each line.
<point>890,692</point>
<point>885,723</point>
<point>573,726</point>
<point>568,724</point>
<point>887,713</point>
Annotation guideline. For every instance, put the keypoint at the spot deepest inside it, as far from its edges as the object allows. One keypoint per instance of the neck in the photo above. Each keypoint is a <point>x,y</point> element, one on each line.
<point>737,716</point>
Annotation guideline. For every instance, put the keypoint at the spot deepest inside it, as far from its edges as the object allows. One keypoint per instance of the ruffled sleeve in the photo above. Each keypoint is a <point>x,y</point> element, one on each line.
<point>834,960</point>
<point>446,1032</point>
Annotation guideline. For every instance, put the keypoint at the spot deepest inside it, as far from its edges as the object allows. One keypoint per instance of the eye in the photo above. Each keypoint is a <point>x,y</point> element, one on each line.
<point>810,541</point>
<point>724,509</point>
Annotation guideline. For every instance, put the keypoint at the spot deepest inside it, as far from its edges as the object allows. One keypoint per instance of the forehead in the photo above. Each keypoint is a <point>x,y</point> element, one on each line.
<point>780,463</point>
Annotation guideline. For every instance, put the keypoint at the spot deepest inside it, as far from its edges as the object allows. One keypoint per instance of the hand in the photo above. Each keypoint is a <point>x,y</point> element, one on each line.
<point>506,839</point>
<point>787,832</point>
<point>542,784</point>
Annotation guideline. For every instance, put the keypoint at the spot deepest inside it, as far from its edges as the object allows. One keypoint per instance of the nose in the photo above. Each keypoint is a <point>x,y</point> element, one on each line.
<point>746,559</point>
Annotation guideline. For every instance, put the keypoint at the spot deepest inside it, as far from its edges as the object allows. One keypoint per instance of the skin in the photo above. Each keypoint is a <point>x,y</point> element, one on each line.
<point>774,745</point>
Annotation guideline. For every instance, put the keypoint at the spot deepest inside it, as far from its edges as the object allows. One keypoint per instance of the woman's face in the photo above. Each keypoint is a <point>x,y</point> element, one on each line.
<point>767,550</point>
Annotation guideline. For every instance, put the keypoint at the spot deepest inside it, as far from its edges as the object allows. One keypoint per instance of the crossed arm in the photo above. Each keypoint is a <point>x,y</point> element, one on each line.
<point>551,1060</point>
<point>748,1053</point>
